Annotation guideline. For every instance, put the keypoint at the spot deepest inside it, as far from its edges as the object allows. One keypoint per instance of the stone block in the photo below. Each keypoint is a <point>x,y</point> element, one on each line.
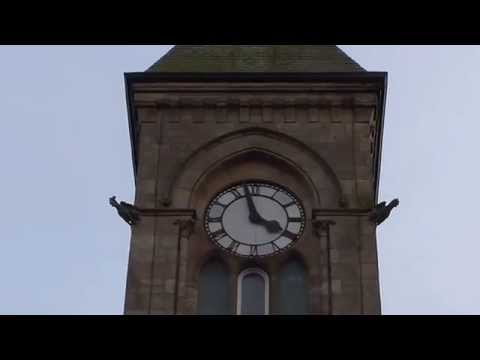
<point>371,298</point>
<point>349,304</point>
<point>370,271</point>
<point>137,302</point>
<point>346,272</point>
<point>170,286</point>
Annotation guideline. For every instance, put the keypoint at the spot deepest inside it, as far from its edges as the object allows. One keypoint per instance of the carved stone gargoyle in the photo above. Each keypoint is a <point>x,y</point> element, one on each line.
<point>382,211</point>
<point>127,212</point>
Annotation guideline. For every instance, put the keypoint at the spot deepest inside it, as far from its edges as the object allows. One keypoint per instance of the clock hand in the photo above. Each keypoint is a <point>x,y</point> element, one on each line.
<point>271,226</point>
<point>255,217</point>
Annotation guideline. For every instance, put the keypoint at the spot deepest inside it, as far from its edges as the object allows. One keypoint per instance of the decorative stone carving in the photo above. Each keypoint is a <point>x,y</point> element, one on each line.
<point>186,227</point>
<point>127,212</point>
<point>382,211</point>
<point>321,226</point>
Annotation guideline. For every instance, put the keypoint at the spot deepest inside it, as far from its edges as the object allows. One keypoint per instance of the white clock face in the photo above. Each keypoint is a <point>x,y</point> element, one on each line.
<point>255,219</point>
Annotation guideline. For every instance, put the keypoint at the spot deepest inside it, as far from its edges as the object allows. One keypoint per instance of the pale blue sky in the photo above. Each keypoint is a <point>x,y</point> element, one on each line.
<point>65,149</point>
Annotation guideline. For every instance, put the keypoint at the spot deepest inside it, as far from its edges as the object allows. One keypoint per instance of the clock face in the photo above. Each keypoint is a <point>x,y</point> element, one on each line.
<point>255,219</point>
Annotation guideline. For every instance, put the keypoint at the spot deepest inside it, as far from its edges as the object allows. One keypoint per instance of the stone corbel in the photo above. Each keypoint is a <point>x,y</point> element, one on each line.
<point>245,101</point>
<point>322,226</point>
<point>167,102</point>
<point>343,202</point>
<point>278,102</point>
<point>186,227</point>
<point>240,100</point>
<point>233,102</point>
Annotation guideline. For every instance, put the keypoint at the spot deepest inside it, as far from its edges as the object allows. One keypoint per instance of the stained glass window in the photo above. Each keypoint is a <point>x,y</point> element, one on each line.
<point>214,296</point>
<point>293,289</point>
<point>253,292</point>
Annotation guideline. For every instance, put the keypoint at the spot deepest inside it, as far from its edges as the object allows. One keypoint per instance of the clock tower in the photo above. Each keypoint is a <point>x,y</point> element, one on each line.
<point>257,171</point>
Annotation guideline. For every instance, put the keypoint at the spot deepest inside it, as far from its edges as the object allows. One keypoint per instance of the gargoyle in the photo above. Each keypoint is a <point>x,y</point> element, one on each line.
<point>382,211</point>
<point>127,212</point>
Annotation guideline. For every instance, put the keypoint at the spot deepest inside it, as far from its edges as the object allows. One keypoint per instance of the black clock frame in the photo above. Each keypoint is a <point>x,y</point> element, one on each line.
<point>255,254</point>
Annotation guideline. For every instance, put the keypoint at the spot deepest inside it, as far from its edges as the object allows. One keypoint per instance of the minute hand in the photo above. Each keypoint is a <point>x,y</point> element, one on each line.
<point>271,226</point>
<point>254,215</point>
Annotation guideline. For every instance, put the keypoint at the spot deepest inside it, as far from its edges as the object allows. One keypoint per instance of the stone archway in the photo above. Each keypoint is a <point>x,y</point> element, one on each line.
<point>263,145</point>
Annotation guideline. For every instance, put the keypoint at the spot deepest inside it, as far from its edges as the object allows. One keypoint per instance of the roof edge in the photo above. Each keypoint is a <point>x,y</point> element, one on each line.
<point>378,77</point>
<point>244,76</point>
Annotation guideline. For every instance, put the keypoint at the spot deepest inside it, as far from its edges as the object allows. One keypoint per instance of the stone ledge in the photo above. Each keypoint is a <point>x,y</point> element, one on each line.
<point>169,212</point>
<point>318,213</point>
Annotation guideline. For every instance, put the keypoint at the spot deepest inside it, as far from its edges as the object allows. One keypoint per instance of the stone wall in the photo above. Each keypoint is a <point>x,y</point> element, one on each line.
<point>194,140</point>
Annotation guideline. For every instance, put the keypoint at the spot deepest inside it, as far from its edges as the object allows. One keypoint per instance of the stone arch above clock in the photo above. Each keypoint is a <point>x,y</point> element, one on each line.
<point>269,155</point>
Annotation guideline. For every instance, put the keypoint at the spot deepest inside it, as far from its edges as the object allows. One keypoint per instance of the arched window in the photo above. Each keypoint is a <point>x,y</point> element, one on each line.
<point>253,293</point>
<point>293,289</point>
<point>214,296</point>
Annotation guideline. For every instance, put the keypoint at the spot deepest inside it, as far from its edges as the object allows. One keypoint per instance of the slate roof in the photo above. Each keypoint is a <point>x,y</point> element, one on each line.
<point>255,58</point>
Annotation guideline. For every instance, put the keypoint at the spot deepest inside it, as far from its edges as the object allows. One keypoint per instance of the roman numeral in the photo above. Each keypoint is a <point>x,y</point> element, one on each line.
<point>218,235</point>
<point>275,247</point>
<point>289,235</point>
<point>254,189</point>
<point>253,250</point>
<point>236,193</point>
<point>214,220</point>
<point>295,220</point>
<point>289,204</point>
<point>233,247</point>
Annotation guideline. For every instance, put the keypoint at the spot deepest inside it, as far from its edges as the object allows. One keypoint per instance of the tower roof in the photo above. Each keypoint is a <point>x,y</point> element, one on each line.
<point>255,58</point>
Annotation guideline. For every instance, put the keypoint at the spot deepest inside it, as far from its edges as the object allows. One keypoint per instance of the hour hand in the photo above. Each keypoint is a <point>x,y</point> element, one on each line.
<point>272,227</point>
